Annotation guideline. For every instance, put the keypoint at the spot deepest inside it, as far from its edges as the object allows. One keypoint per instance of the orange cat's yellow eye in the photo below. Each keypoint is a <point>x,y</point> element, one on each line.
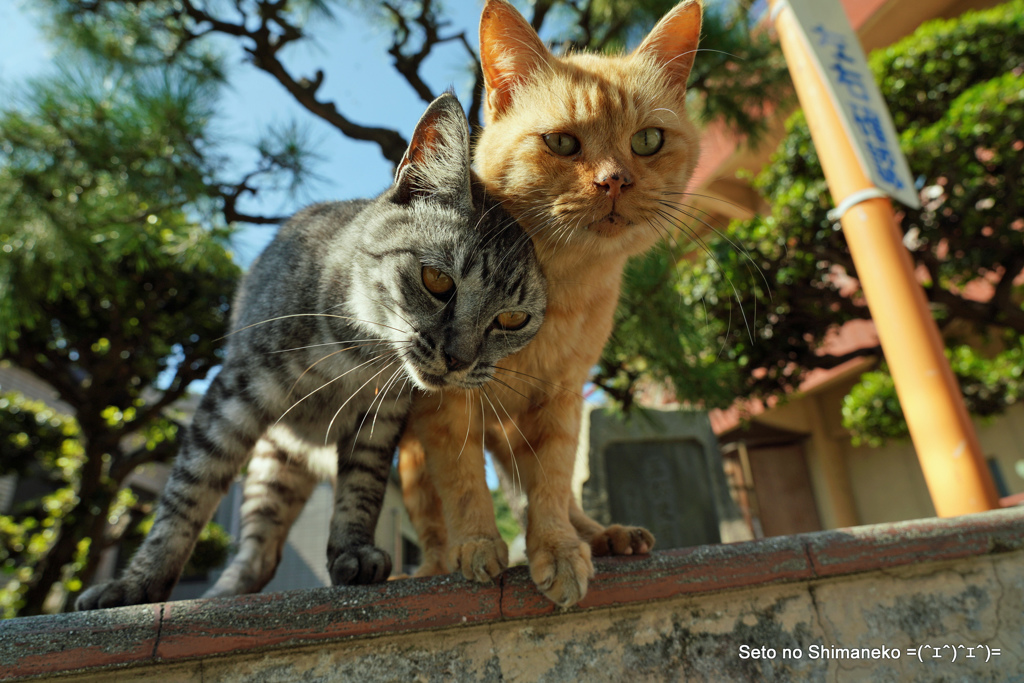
<point>647,142</point>
<point>512,320</point>
<point>562,144</point>
<point>436,281</point>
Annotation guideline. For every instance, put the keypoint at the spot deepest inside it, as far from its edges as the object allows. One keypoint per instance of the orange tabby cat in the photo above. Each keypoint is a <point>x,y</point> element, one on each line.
<point>586,151</point>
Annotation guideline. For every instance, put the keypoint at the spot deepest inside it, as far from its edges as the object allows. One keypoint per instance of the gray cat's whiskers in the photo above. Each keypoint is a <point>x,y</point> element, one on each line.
<point>483,429</point>
<point>393,357</point>
<point>379,400</point>
<point>508,441</point>
<point>330,343</point>
<point>333,353</point>
<point>540,463</point>
<point>469,424</point>
<point>325,384</point>
<point>396,314</point>
<point>305,315</point>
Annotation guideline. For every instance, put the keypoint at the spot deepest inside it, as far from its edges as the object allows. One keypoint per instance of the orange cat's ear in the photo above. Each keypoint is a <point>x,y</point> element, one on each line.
<point>673,42</point>
<point>510,51</point>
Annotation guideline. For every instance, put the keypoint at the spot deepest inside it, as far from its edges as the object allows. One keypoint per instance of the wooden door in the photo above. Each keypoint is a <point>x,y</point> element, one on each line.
<point>785,499</point>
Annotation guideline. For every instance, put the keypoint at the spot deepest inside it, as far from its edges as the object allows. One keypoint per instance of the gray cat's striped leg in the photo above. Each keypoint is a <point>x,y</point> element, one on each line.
<point>212,452</point>
<point>363,473</point>
<point>277,487</point>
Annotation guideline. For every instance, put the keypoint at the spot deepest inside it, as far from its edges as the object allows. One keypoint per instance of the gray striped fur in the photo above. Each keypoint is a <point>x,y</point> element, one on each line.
<point>333,331</point>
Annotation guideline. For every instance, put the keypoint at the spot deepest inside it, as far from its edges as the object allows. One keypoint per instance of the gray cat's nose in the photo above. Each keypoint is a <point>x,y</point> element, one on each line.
<point>454,363</point>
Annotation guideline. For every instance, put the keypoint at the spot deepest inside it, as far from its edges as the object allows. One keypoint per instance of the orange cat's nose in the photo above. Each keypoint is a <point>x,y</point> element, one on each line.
<point>614,184</point>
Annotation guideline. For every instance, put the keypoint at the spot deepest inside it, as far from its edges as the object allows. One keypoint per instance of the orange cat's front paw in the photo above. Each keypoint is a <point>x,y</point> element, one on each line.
<point>622,540</point>
<point>479,559</point>
<point>562,571</point>
<point>433,563</point>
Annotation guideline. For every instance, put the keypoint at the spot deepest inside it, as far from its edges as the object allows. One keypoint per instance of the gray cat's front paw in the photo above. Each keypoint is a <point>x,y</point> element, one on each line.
<point>359,564</point>
<point>115,594</point>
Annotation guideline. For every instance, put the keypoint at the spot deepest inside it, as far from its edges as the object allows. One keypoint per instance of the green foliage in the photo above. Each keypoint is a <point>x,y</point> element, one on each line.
<point>741,76</point>
<point>34,436</point>
<point>873,402</point>
<point>96,172</point>
<point>922,74</point>
<point>955,89</point>
<point>39,445</point>
<point>647,343</point>
<point>508,527</point>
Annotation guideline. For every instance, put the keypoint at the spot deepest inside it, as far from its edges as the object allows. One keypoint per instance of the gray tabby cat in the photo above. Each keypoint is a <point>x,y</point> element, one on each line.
<point>431,283</point>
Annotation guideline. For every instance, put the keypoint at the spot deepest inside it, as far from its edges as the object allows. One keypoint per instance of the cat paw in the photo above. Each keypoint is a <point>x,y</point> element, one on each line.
<point>359,564</point>
<point>479,559</point>
<point>622,540</point>
<point>562,571</point>
<point>116,594</point>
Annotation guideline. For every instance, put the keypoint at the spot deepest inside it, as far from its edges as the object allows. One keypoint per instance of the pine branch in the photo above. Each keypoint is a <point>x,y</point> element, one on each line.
<point>263,52</point>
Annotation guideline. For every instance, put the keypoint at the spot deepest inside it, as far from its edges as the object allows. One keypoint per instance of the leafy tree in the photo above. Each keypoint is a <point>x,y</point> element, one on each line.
<point>955,90</point>
<point>107,282</point>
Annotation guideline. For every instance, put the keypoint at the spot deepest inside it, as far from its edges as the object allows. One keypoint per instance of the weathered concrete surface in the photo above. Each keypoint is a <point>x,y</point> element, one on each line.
<point>920,590</point>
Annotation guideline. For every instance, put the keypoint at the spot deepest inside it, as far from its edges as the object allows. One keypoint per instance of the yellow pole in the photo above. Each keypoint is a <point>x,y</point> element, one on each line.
<point>951,458</point>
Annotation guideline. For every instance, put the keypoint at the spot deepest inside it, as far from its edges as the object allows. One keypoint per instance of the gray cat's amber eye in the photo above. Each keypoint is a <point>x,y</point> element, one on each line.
<point>562,144</point>
<point>512,320</point>
<point>647,142</point>
<point>436,281</point>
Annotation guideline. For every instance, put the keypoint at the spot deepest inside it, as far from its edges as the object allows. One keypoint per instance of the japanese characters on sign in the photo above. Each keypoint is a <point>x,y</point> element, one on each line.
<point>840,60</point>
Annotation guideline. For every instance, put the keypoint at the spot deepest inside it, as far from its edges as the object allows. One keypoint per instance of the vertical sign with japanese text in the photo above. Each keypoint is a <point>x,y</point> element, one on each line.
<point>840,60</point>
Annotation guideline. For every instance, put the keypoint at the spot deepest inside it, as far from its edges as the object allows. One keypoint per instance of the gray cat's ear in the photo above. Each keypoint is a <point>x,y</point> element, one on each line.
<point>510,52</point>
<point>673,42</point>
<point>436,164</point>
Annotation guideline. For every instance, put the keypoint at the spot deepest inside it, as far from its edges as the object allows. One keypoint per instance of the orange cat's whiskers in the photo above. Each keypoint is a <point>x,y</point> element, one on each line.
<point>739,248</point>
<point>703,196</point>
<point>732,285</point>
<point>484,243</point>
<point>662,232</point>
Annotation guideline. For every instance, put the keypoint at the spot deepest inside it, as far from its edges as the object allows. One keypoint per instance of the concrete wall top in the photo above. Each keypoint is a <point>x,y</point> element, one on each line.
<point>172,634</point>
